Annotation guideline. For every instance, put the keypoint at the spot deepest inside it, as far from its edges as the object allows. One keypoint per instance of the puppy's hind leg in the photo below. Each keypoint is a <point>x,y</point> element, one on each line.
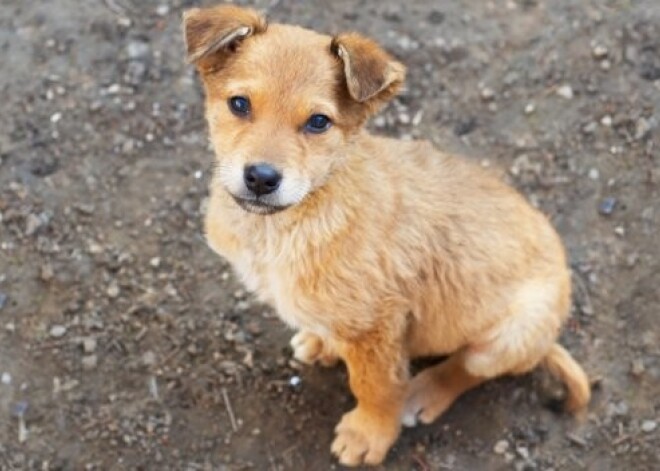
<point>309,348</point>
<point>433,390</point>
<point>512,347</point>
<point>521,341</point>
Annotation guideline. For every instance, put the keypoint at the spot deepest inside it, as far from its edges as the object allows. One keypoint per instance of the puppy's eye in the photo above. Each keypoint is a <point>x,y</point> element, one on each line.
<point>318,123</point>
<point>239,105</point>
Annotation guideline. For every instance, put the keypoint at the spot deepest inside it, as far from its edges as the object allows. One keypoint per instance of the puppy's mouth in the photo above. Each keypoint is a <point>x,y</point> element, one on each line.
<point>257,206</point>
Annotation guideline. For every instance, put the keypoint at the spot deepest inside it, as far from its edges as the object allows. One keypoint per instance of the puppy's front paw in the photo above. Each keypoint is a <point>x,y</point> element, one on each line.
<point>363,439</point>
<point>310,348</point>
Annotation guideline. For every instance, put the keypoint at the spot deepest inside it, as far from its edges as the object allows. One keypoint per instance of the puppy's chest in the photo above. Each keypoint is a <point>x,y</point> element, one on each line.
<point>276,284</point>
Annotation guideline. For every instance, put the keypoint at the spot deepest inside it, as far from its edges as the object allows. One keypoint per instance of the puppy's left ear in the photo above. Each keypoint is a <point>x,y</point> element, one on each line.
<point>372,75</point>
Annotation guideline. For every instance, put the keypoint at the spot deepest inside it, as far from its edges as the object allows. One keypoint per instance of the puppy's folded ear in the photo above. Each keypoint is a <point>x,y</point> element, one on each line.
<point>211,34</point>
<point>372,75</point>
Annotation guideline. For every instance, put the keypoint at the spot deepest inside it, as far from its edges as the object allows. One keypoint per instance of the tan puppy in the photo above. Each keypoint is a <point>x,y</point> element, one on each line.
<point>376,250</point>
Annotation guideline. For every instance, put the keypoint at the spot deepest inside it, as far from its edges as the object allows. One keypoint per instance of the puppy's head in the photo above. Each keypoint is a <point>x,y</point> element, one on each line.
<point>282,102</point>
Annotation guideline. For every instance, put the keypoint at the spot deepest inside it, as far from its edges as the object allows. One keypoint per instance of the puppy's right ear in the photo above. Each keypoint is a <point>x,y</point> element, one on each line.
<point>212,34</point>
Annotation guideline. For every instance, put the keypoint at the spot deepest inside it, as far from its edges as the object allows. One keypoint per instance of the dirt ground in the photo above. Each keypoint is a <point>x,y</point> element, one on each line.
<point>126,344</point>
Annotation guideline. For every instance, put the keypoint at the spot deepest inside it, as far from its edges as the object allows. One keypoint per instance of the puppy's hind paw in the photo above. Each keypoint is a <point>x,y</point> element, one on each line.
<point>309,348</point>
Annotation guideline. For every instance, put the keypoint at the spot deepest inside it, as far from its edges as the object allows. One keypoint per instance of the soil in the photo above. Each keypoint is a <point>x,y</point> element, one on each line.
<point>125,343</point>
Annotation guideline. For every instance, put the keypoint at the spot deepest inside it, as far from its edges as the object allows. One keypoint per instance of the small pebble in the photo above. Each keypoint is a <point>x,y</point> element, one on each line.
<point>138,49</point>
<point>599,51</point>
<point>487,94</point>
<point>113,290</point>
<point>294,381</point>
<point>57,331</point>
<point>607,206</point>
<point>47,272</point>
<point>565,91</point>
<point>523,452</point>
<point>149,358</point>
<point>32,224</point>
<point>89,362</point>
<point>617,409</point>
<point>530,108</point>
<point>594,174</point>
<point>606,121</point>
<point>5,378</point>
<point>501,447</point>
<point>155,262</point>
<point>3,300</point>
<point>637,367</point>
<point>162,10</point>
<point>649,426</point>
<point>379,122</point>
<point>89,344</point>
<point>590,128</point>
<point>465,126</point>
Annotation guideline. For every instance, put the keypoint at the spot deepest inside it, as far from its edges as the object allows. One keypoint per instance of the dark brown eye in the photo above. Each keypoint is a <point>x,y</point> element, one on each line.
<point>239,105</point>
<point>318,123</point>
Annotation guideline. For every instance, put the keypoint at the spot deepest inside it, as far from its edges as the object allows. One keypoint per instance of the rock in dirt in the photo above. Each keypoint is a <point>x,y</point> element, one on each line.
<point>47,272</point>
<point>600,52</point>
<point>89,345</point>
<point>565,91</point>
<point>113,290</point>
<point>642,128</point>
<point>89,362</point>
<point>501,447</point>
<point>607,206</point>
<point>465,126</point>
<point>57,331</point>
<point>138,49</point>
<point>32,224</point>
<point>637,367</point>
<point>149,358</point>
<point>649,426</point>
<point>487,94</point>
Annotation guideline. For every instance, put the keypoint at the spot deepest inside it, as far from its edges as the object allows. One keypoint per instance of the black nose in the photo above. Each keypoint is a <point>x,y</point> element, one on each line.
<point>261,179</point>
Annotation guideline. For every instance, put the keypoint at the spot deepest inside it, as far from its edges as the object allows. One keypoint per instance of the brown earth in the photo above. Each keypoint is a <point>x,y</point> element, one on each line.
<point>124,342</point>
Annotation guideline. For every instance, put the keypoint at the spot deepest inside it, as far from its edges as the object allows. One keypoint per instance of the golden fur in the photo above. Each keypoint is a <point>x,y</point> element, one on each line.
<point>387,250</point>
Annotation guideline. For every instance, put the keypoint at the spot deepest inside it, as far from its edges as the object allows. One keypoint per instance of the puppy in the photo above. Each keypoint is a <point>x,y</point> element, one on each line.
<point>376,250</point>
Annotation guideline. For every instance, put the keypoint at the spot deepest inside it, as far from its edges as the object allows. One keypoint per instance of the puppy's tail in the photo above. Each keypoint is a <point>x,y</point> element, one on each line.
<point>561,365</point>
